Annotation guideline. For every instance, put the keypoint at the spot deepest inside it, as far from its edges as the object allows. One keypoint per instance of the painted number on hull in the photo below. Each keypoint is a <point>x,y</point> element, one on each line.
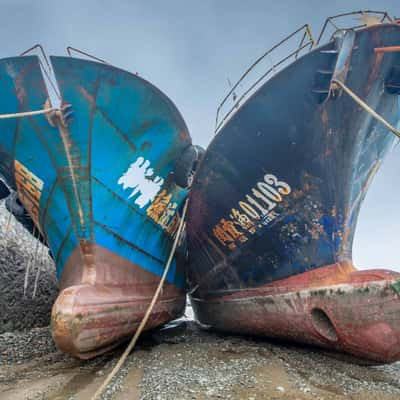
<point>161,207</point>
<point>253,213</point>
<point>164,212</point>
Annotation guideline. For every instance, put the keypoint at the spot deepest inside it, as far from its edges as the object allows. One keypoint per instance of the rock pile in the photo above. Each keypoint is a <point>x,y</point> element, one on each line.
<point>20,251</point>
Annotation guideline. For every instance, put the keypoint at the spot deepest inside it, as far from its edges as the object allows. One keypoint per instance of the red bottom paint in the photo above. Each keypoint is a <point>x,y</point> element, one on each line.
<point>103,303</point>
<point>338,307</point>
<point>90,320</point>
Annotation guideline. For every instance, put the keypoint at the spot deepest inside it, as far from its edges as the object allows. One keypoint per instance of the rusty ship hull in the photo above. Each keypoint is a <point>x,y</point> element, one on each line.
<point>274,204</point>
<point>96,183</point>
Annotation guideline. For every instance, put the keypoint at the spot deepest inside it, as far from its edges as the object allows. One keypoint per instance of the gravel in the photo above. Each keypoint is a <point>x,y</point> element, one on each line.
<point>184,362</point>
<point>17,347</point>
<point>18,251</point>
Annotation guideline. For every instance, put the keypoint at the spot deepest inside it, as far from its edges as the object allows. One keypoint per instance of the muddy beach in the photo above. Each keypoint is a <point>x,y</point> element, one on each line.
<point>184,362</point>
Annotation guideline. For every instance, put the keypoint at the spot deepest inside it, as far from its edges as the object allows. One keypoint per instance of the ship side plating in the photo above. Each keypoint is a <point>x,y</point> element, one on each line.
<point>275,202</point>
<point>98,182</point>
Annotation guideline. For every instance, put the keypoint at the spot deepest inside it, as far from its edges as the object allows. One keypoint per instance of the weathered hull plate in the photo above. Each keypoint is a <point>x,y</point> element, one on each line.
<point>359,314</point>
<point>100,189</point>
<point>278,194</point>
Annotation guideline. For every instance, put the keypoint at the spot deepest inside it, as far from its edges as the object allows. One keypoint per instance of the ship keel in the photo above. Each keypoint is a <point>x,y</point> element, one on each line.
<point>337,307</point>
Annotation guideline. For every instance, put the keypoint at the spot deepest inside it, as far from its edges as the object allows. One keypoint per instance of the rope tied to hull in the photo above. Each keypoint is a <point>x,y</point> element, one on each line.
<point>143,323</point>
<point>367,108</point>
<point>28,113</point>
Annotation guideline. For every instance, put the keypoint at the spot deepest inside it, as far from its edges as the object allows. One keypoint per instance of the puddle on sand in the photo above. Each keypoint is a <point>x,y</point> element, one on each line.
<point>76,384</point>
<point>84,380</point>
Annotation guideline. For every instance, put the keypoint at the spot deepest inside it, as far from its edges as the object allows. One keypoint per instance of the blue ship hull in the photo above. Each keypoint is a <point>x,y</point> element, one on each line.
<point>99,187</point>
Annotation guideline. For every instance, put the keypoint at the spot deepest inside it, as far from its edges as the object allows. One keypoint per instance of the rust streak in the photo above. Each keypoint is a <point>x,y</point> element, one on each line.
<point>387,49</point>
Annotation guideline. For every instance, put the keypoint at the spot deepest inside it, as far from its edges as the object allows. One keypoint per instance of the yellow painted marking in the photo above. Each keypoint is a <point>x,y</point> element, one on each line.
<point>29,188</point>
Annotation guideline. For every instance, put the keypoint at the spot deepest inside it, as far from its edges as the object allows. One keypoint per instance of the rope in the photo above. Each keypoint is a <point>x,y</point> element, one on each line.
<point>8,222</point>
<point>32,258</point>
<point>148,312</point>
<point>39,268</point>
<point>367,108</point>
<point>27,113</point>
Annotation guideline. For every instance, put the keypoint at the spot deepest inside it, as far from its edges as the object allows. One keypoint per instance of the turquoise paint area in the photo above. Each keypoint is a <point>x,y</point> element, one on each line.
<point>57,226</point>
<point>36,145</point>
<point>118,118</point>
<point>22,89</point>
<point>136,255</point>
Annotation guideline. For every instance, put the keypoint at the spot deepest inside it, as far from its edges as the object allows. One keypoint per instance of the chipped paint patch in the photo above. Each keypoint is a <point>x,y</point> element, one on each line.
<point>139,177</point>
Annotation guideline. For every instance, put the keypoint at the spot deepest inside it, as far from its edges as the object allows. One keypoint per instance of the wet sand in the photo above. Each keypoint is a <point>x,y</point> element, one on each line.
<point>184,362</point>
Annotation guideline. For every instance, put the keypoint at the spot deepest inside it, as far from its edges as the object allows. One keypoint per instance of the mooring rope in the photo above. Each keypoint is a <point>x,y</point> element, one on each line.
<point>367,108</point>
<point>27,113</point>
<point>38,270</point>
<point>132,343</point>
<point>28,266</point>
<point>36,253</point>
<point>8,223</point>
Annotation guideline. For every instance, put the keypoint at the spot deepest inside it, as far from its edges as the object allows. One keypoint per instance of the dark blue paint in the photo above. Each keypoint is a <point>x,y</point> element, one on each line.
<point>327,150</point>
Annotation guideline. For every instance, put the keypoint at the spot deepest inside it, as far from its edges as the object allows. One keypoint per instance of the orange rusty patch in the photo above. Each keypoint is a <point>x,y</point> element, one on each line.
<point>324,116</point>
<point>387,49</point>
<point>375,69</point>
<point>29,188</point>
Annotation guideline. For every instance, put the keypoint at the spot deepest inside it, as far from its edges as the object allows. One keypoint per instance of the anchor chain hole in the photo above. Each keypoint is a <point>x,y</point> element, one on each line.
<point>323,325</point>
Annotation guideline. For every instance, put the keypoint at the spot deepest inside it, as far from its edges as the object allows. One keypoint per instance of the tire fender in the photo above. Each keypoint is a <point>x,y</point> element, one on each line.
<point>187,164</point>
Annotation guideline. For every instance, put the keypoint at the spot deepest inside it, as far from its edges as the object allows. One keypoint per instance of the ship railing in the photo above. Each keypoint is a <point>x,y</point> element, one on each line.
<point>47,72</point>
<point>71,50</point>
<point>306,41</point>
<point>366,17</point>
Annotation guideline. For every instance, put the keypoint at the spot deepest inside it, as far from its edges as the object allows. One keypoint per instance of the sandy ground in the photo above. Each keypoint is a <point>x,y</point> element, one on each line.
<point>184,362</point>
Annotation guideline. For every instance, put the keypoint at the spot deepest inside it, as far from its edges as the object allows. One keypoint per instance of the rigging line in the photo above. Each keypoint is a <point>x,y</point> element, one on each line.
<point>8,222</point>
<point>367,108</point>
<point>27,113</point>
<point>50,80</point>
<point>143,323</point>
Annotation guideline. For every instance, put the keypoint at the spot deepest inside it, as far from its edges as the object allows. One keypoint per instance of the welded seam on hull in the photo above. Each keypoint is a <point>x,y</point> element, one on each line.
<point>47,204</point>
<point>64,136</point>
<point>130,244</point>
<point>63,243</point>
<point>143,215</point>
<point>89,274</point>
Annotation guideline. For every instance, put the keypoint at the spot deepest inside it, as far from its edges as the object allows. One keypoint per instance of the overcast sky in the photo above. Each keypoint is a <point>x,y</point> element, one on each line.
<point>189,49</point>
